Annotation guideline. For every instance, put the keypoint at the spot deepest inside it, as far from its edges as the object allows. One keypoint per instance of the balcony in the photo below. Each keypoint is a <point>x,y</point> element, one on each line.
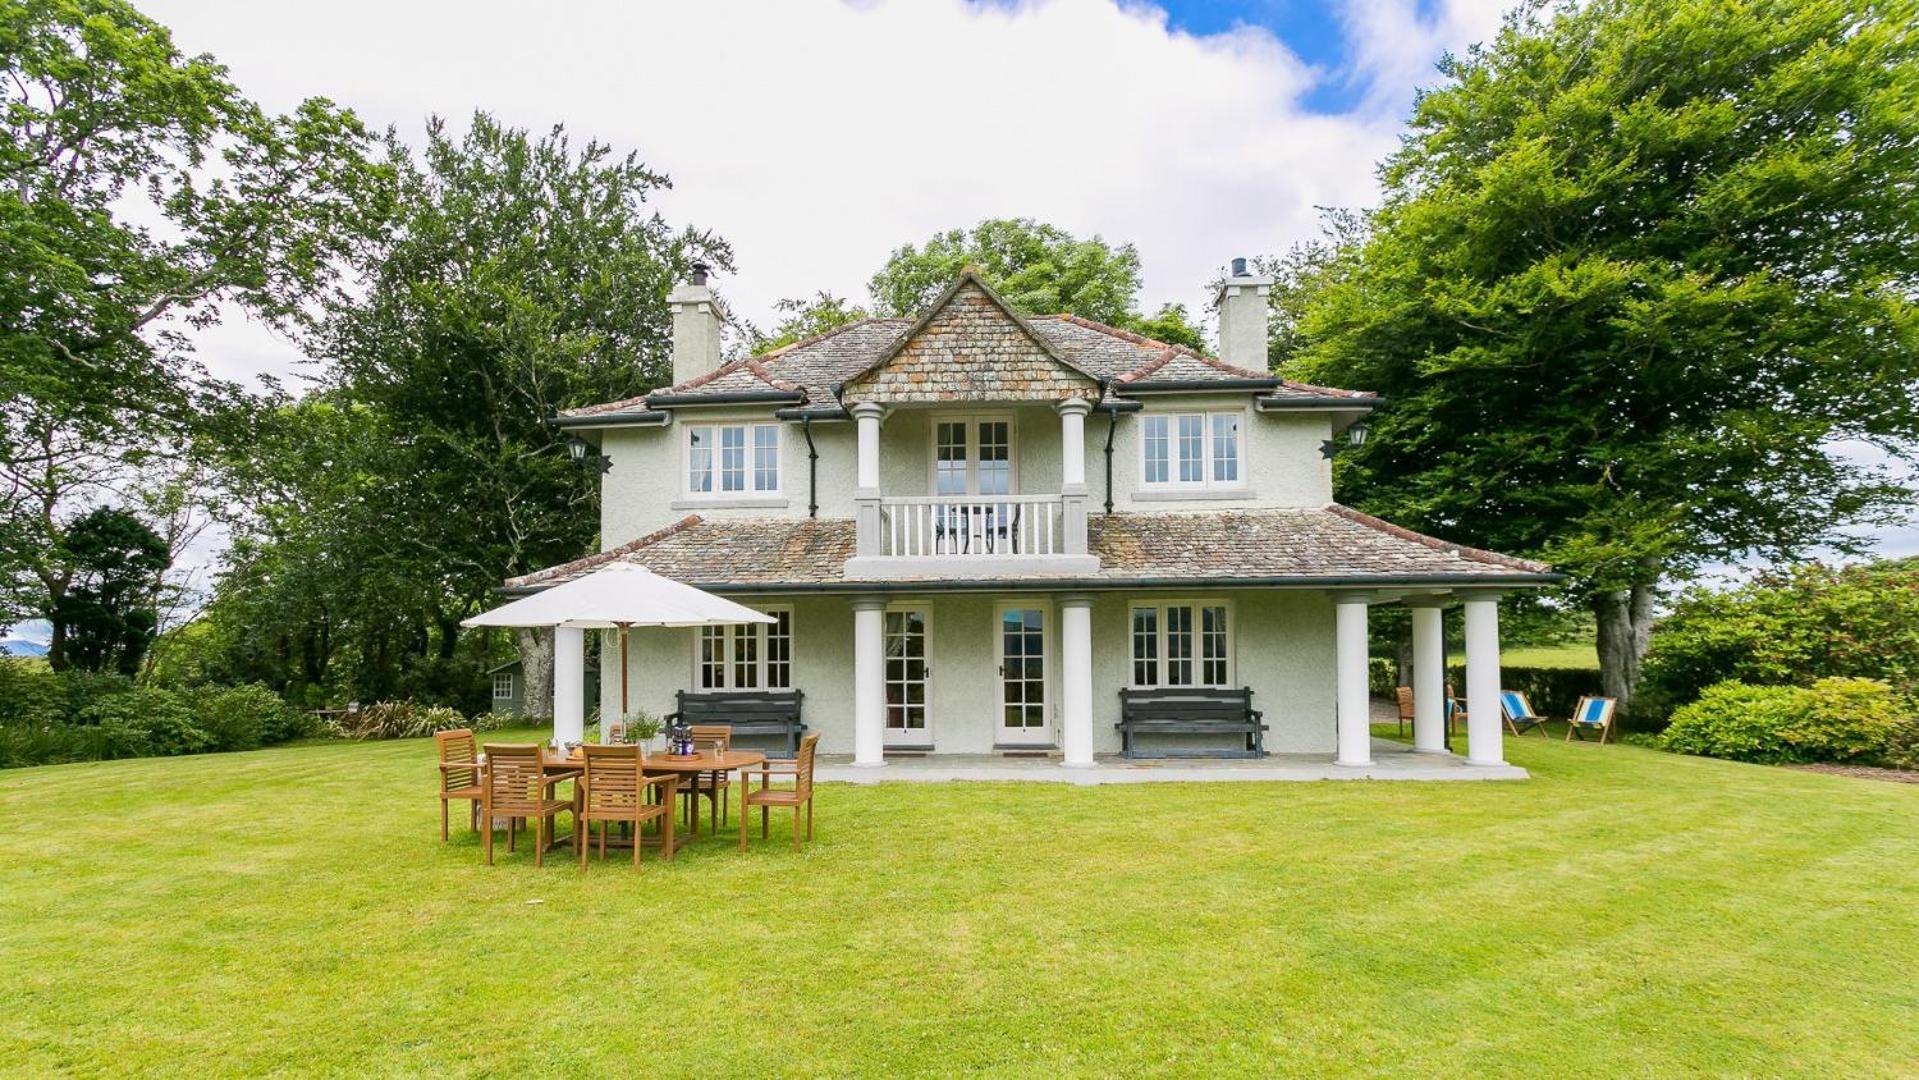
<point>971,536</point>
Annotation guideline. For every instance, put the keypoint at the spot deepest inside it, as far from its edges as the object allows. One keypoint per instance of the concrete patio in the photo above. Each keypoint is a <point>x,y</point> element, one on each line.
<point>1391,761</point>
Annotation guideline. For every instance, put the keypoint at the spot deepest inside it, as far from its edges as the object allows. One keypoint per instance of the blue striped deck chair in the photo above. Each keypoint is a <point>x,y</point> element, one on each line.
<point>1519,714</point>
<point>1590,713</point>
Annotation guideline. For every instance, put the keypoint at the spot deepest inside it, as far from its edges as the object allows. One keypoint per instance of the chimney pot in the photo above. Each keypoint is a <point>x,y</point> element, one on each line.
<point>700,269</point>
<point>1239,267</point>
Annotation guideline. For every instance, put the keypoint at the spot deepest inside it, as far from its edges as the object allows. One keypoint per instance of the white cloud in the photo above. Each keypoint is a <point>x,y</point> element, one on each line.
<point>818,135</point>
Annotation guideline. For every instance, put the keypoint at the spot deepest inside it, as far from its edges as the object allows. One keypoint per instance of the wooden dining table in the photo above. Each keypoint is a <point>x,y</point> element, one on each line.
<point>707,765</point>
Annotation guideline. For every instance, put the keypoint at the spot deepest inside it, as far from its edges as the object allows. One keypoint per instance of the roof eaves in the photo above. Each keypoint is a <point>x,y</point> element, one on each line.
<point>1472,554</point>
<point>538,578</point>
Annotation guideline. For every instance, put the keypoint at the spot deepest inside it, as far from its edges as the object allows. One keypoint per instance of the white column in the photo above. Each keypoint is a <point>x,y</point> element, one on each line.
<point>1355,707</point>
<point>867,415</point>
<point>869,681</point>
<point>1072,442</point>
<point>1429,678</point>
<point>1484,744</point>
<point>569,684</point>
<point>1076,679</point>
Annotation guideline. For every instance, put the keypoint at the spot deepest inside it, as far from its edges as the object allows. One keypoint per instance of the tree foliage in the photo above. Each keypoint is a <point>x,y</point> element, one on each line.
<point>108,613</point>
<point>1638,266</point>
<point>802,319</point>
<point>521,276</point>
<point>1040,269</point>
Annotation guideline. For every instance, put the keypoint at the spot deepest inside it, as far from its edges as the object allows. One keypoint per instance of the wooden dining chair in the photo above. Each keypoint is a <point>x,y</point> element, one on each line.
<point>516,786</point>
<point>1405,695</point>
<point>715,785</point>
<point>459,775</point>
<point>614,788</point>
<point>767,797</point>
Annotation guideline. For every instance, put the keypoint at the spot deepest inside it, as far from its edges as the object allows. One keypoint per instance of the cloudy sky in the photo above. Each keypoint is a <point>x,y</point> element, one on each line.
<point>818,135</point>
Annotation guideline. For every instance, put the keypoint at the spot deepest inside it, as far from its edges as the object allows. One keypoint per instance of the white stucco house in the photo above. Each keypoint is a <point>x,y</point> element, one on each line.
<point>981,533</point>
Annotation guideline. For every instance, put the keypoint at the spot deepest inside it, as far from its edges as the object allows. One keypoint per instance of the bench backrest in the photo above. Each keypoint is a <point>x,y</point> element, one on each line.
<point>1186,703</point>
<point>697,706</point>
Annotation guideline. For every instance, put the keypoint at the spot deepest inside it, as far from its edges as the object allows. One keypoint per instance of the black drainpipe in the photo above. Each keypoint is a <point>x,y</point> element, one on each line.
<point>812,469</point>
<point>1112,423</point>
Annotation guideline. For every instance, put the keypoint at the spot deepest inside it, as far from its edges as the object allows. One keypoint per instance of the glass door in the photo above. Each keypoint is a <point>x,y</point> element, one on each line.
<point>907,676</point>
<point>1022,676</point>
<point>972,458</point>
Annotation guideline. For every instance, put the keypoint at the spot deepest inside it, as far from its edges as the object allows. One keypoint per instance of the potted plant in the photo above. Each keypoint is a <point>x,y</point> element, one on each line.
<point>644,729</point>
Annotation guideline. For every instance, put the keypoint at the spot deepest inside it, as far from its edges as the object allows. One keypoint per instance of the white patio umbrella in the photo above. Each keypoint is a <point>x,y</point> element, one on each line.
<point>619,596</point>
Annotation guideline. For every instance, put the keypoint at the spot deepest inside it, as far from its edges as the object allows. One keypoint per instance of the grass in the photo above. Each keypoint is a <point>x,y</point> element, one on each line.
<point>1625,911</point>
<point>1579,654</point>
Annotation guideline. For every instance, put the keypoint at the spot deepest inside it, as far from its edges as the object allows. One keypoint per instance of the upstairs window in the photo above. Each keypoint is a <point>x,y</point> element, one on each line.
<point>1191,451</point>
<point>1182,643</point>
<point>733,459</point>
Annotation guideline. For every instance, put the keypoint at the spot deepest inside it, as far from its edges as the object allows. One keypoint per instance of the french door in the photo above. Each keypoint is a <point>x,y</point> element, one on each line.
<point>1025,701</point>
<point>972,460</point>
<point>908,675</point>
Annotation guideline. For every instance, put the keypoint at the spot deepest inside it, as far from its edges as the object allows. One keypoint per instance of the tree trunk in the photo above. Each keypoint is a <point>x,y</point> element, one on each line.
<point>1624,618</point>
<point>536,670</point>
<point>1403,662</point>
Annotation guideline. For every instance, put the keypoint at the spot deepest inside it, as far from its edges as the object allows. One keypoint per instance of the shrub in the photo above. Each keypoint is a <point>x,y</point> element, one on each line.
<point>31,695</point>
<point>145,721</point>
<point>405,720</point>
<point>1736,721</point>
<point>245,717</point>
<point>1848,720</point>
<point>1806,623</point>
<point>1835,720</point>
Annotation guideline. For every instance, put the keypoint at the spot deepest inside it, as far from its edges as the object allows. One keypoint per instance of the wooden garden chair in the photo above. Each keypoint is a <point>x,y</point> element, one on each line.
<point>1592,713</point>
<point>1405,695</point>
<point>1455,713</point>
<point>1519,714</point>
<point>767,797</point>
<point>614,788</point>
<point>459,775</point>
<point>516,786</point>
<point>718,784</point>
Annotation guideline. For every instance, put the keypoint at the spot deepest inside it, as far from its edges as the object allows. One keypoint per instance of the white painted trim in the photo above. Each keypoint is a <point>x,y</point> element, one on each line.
<point>897,567</point>
<point>907,737</point>
<point>1199,630</point>
<point>694,683</point>
<point>723,502</point>
<point>1195,494</point>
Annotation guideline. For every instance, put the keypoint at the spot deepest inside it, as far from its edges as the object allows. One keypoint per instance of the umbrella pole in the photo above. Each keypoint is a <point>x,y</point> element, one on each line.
<point>623,627</point>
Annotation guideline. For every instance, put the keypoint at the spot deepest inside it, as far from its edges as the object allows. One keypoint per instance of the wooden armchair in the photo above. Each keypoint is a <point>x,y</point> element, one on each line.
<point>714,785</point>
<point>1405,695</point>
<point>459,774</point>
<point>767,797</point>
<point>614,788</point>
<point>516,786</point>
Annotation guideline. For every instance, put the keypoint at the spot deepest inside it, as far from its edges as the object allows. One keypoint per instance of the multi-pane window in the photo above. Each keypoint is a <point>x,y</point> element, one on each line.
<point>972,456</point>
<point>733,459</point>
<point>752,656</point>
<point>1181,644</point>
<point>1190,450</point>
<point>502,686</point>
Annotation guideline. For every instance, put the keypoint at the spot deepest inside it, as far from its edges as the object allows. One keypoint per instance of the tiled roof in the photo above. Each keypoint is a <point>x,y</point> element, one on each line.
<point>813,366</point>
<point>1300,546</point>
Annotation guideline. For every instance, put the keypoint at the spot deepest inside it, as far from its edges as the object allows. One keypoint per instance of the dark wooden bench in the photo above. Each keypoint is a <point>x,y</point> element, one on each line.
<point>1190,710</point>
<point>747,712</point>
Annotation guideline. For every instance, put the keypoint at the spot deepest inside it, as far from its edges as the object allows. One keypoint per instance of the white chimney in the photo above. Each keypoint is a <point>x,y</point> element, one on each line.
<point>697,319</point>
<point>1242,317</point>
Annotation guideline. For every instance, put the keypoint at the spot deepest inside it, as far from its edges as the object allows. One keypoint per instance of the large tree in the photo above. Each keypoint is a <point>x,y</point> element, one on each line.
<point>1040,269</point>
<point>110,608</point>
<point>1640,264</point>
<point>523,275</point>
<point>139,190</point>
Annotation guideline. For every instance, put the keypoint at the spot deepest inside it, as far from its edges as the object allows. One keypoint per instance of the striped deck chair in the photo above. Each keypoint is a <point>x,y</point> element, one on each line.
<point>1592,712</point>
<point>1519,714</point>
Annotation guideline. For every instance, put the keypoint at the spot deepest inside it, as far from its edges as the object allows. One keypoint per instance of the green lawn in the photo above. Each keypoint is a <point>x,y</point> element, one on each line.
<point>1625,911</point>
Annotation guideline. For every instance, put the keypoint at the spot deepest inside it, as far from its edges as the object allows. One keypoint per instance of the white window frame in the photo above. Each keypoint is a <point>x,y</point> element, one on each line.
<point>728,638</point>
<point>749,475</point>
<point>1160,660</point>
<point>1207,460</point>
<point>972,422</point>
<point>501,678</point>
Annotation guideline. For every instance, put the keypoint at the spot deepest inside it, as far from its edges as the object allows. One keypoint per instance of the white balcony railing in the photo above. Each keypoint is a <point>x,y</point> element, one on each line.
<point>974,525</point>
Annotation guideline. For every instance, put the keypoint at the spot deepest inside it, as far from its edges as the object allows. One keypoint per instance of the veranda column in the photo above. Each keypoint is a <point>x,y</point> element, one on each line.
<point>1076,680</point>
<point>866,495</point>
<point>1484,746</point>
<point>869,681</point>
<point>569,684</point>
<point>1429,677</point>
<point>1072,473</point>
<point>1355,707</point>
